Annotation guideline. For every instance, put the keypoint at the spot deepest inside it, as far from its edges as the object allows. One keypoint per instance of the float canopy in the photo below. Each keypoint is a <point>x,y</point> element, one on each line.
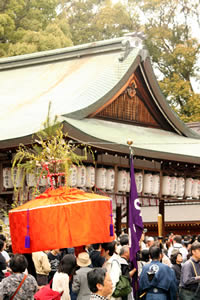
<point>61,218</point>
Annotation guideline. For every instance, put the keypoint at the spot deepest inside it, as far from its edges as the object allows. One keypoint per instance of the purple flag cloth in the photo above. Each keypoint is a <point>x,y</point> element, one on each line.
<point>135,218</point>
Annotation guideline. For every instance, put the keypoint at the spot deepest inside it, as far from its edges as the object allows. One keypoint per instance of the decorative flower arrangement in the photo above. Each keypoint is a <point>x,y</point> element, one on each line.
<point>50,156</point>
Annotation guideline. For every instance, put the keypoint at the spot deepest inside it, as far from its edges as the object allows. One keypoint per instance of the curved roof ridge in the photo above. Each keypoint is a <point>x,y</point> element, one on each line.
<point>161,102</point>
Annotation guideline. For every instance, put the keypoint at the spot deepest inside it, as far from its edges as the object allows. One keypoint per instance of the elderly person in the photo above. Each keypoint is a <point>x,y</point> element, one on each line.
<point>100,284</point>
<point>80,283</point>
<point>9,285</point>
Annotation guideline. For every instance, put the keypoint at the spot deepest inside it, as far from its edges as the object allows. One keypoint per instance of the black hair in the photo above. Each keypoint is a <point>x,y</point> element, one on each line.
<point>18,263</point>
<point>96,246</point>
<point>174,257</point>
<point>124,240</point>
<point>67,264</point>
<point>94,277</point>
<point>145,255</point>
<point>1,245</point>
<point>109,246</point>
<point>155,252</point>
<point>2,237</point>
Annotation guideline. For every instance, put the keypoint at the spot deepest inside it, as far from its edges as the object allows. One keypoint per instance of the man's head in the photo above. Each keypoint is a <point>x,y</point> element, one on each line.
<point>155,253</point>
<point>177,239</point>
<point>195,249</point>
<point>124,240</point>
<point>124,252</point>
<point>99,282</point>
<point>108,249</point>
<point>150,241</point>
<point>18,263</point>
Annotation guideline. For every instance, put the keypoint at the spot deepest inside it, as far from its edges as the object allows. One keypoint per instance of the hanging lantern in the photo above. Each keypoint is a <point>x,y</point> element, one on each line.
<point>81,176</point>
<point>17,179</point>
<point>110,179</point>
<point>7,180</point>
<point>148,180</point>
<point>199,188</point>
<point>174,186</point>
<point>101,178</point>
<point>181,187</point>
<point>195,192</point>
<point>166,185</point>
<point>188,187</point>
<point>128,182</point>
<point>156,184</point>
<point>90,177</point>
<point>31,180</point>
<point>73,176</point>
<point>139,181</point>
<point>122,181</point>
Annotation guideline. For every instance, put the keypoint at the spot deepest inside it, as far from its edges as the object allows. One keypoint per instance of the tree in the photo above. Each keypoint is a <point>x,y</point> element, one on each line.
<point>30,26</point>
<point>174,51</point>
<point>95,20</point>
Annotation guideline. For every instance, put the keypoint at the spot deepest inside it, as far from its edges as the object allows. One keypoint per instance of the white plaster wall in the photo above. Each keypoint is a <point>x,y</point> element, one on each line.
<point>173,213</point>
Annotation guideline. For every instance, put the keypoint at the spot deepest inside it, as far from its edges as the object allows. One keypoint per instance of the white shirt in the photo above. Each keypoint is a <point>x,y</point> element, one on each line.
<point>179,248</point>
<point>61,284</point>
<point>6,255</point>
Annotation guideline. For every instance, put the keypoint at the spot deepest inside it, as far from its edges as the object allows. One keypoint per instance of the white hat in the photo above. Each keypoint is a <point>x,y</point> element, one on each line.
<point>83,259</point>
<point>150,239</point>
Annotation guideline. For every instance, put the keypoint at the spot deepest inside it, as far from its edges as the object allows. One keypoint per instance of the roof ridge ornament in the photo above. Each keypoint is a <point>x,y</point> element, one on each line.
<point>136,39</point>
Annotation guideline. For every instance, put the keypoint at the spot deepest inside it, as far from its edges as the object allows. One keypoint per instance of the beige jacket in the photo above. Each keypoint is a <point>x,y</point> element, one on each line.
<point>41,262</point>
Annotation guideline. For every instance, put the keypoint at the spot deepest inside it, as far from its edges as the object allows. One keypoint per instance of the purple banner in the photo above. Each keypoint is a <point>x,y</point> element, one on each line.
<point>135,219</point>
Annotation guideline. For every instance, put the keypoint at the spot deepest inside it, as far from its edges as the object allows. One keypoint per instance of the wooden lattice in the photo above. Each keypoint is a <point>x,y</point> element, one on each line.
<point>131,109</point>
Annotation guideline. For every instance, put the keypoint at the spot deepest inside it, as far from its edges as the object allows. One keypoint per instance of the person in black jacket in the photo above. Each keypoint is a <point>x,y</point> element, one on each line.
<point>2,261</point>
<point>176,260</point>
<point>95,256</point>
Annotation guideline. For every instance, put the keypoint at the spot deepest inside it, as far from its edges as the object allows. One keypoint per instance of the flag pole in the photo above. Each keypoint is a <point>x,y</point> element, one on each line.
<point>134,221</point>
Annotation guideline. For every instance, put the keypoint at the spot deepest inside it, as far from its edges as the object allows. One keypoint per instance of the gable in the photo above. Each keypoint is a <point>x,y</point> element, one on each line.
<point>134,105</point>
<point>127,108</point>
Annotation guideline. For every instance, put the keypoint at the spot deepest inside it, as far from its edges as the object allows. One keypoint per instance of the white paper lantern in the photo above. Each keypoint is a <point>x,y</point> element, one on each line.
<point>110,179</point>
<point>199,188</point>
<point>31,179</point>
<point>7,180</point>
<point>174,186</point>
<point>155,184</point>
<point>166,185</point>
<point>73,173</point>
<point>181,187</point>
<point>81,176</point>
<point>195,189</point>
<point>139,181</point>
<point>101,178</point>
<point>17,177</point>
<point>90,177</point>
<point>148,183</point>
<point>128,182</point>
<point>122,181</point>
<point>188,187</point>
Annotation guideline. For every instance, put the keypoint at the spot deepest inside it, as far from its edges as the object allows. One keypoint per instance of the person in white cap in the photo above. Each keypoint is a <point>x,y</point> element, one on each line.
<point>80,282</point>
<point>150,242</point>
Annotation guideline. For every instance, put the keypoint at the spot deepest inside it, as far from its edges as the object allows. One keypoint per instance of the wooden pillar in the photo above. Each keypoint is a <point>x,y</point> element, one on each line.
<point>162,212</point>
<point>118,219</point>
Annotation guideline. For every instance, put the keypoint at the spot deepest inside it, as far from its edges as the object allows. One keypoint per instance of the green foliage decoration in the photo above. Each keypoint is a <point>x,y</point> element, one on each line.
<point>49,148</point>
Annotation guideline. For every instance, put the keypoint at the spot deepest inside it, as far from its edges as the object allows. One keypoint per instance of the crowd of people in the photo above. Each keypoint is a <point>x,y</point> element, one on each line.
<point>167,269</point>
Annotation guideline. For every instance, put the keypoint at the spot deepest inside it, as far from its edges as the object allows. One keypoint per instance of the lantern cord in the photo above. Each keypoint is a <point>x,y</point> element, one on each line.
<point>27,237</point>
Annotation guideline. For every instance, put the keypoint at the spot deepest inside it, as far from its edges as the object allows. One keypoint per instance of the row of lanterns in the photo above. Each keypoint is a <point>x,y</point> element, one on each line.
<point>103,178</point>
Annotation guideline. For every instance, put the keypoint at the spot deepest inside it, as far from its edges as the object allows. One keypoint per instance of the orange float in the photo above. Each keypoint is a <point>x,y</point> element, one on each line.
<point>61,218</point>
